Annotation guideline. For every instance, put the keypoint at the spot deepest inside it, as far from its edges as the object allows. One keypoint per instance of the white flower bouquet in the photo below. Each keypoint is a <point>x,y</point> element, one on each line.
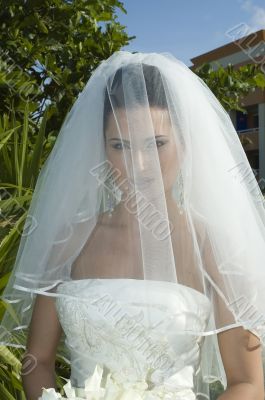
<point>113,390</point>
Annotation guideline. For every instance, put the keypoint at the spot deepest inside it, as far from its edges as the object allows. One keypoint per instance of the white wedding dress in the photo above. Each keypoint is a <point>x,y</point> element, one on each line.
<point>133,328</point>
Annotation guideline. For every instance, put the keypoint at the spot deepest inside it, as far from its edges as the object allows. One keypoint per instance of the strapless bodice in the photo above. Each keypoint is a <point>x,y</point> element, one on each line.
<point>134,329</point>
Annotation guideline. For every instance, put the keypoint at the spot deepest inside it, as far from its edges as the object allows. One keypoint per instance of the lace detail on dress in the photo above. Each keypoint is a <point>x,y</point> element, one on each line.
<point>133,336</point>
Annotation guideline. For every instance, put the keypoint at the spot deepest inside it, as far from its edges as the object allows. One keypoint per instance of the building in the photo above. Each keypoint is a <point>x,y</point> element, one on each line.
<point>248,49</point>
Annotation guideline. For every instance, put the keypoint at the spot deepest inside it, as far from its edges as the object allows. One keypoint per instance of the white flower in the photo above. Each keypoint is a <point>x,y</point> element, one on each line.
<point>113,390</point>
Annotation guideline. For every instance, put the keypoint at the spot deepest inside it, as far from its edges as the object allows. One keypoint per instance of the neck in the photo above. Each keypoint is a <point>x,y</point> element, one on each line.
<point>125,213</point>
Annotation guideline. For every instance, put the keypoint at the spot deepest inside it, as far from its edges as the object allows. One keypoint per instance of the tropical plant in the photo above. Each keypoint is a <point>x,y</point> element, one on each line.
<point>231,85</point>
<point>49,48</point>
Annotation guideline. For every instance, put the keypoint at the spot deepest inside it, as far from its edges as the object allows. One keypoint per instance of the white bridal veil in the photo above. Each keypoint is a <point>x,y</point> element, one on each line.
<point>147,180</point>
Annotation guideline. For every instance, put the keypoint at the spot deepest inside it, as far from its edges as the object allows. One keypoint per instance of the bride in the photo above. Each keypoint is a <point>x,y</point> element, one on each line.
<point>143,261</point>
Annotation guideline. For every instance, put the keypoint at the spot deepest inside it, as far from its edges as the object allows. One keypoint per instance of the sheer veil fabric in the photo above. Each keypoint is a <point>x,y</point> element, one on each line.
<point>147,181</point>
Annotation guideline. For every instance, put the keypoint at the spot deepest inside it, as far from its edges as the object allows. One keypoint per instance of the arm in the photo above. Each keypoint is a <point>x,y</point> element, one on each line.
<point>44,335</point>
<point>240,349</point>
<point>241,355</point>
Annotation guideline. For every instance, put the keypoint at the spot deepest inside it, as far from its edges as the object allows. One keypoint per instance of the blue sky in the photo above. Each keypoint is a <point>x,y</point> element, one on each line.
<point>187,28</point>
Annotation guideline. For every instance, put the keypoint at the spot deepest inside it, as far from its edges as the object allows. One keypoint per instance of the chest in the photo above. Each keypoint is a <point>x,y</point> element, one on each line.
<point>109,254</point>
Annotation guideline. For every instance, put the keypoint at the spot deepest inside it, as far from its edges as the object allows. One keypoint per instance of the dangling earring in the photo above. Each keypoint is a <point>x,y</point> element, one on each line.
<point>110,204</point>
<point>180,192</point>
<point>111,195</point>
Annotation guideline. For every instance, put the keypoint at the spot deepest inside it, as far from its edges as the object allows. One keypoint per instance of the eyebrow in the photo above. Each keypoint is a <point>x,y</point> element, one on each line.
<point>127,141</point>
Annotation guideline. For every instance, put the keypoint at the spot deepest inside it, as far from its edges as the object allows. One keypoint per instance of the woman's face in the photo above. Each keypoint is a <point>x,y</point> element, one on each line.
<point>137,161</point>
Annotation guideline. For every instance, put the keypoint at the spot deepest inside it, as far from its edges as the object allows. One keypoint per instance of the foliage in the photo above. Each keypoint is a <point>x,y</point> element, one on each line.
<point>49,49</point>
<point>231,85</point>
<point>216,389</point>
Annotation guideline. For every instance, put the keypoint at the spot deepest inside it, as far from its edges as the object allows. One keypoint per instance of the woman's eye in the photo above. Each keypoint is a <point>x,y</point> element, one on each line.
<point>159,143</point>
<point>119,146</point>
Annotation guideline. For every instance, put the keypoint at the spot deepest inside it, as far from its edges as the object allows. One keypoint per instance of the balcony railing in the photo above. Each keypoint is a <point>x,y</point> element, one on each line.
<point>249,131</point>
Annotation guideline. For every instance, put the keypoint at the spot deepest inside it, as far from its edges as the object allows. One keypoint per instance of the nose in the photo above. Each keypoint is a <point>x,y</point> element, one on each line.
<point>140,160</point>
<point>139,165</point>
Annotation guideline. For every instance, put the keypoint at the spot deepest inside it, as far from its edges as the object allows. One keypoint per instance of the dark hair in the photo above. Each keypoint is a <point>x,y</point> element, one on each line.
<point>154,88</point>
